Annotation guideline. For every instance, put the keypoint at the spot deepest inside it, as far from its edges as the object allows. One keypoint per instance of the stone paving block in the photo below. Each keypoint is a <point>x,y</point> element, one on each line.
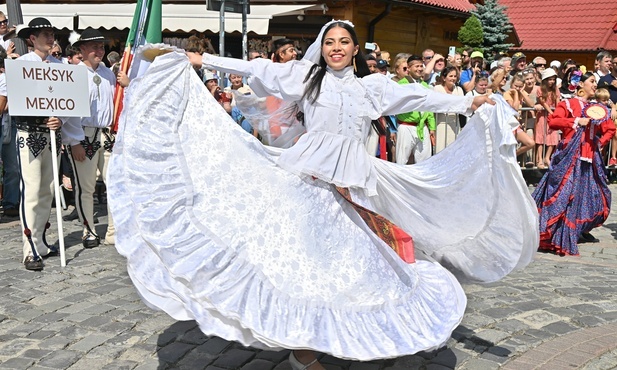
<point>194,336</point>
<point>273,356</point>
<point>214,346</point>
<point>450,358</point>
<point>15,347</point>
<point>437,367</point>
<point>55,343</point>
<point>85,363</point>
<point>89,342</point>
<point>41,334</point>
<point>127,339</point>
<point>117,327</point>
<point>120,365</point>
<point>173,352</point>
<point>480,364</point>
<point>365,366</point>
<point>511,326</point>
<point>234,358</point>
<point>36,353</point>
<point>499,313</point>
<point>258,364</point>
<point>60,359</point>
<point>149,365</point>
<point>105,352</point>
<point>18,363</point>
<point>23,330</point>
<point>96,321</point>
<point>560,328</point>
<point>489,337</point>
<point>47,318</point>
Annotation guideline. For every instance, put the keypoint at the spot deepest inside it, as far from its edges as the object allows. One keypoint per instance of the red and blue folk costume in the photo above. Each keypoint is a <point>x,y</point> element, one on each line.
<point>573,196</point>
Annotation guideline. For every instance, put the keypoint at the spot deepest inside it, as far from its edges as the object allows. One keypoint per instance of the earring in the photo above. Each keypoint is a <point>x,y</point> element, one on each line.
<point>355,69</point>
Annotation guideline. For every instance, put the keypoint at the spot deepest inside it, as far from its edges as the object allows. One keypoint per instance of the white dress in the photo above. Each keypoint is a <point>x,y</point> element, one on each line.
<point>256,245</point>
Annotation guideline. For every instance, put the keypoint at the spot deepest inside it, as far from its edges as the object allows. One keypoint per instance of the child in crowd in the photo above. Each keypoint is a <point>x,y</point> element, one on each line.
<point>515,97</point>
<point>548,97</point>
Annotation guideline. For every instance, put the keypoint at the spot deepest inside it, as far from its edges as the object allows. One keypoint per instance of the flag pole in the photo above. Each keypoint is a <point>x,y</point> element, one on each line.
<point>56,174</point>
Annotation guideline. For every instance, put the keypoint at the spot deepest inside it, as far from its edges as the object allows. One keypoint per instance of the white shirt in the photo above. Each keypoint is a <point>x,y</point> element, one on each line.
<point>338,123</point>
<point>101,96</point>
<point>5,115</point>
<point>72,133</point>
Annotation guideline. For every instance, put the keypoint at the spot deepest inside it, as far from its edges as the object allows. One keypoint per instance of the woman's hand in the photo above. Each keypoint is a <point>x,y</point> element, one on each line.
<point>614,112</point>
<point>481,99</point>
<point>195,59</point>
<point>583,121</point>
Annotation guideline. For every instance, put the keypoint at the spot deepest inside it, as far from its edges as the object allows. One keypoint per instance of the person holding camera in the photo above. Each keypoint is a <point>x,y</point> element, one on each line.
<point>223,98</point>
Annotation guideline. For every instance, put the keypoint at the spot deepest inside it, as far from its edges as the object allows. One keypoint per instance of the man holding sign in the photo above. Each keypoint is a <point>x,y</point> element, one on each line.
<point>34,139</point>
<point>95,150</point>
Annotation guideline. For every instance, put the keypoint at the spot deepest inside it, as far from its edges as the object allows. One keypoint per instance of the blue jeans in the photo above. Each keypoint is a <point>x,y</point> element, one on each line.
<point>8,154</point>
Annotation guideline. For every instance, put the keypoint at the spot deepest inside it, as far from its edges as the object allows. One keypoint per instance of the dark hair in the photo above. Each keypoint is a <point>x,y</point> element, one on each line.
<point>586,76</point>
<point>277,44</point>
<point>369,56</point>
<point>442,77</point>
<point>71,50</point>
<point>414,58</point>
<point>315,75</point>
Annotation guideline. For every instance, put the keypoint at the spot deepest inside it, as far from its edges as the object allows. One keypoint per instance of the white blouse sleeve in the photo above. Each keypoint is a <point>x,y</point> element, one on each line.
<point>72,131</point>
<point>282,80</point>
<point>397,99</point>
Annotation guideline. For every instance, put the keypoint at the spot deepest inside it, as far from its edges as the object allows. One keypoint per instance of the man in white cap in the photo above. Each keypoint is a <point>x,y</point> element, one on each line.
<point>35,156</point>
<point>95,150</point>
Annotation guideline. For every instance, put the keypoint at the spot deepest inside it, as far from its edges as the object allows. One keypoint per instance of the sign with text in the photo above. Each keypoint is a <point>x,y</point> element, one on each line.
<point>47,89</point>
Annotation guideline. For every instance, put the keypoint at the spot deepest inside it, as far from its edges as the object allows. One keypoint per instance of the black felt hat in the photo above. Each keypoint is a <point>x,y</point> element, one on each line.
<point>90,34</point>
<point>24,31</point>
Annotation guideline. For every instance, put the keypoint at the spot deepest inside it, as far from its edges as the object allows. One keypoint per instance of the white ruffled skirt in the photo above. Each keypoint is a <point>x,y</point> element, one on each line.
<point>214,231</point>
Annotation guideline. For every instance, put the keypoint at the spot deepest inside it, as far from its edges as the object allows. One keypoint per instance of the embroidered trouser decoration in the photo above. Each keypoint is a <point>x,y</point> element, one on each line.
<point>394,236</point>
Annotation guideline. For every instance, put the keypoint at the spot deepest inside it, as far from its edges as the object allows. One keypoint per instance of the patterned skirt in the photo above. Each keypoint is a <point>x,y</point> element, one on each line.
<point>572,198</point>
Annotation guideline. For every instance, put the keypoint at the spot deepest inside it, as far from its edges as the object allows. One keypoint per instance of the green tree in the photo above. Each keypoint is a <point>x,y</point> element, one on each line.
<point>471,33</point>
<point>496,26</point>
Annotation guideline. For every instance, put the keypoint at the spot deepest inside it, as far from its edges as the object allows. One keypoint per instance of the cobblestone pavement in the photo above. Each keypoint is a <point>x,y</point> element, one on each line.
<point>558,313</point>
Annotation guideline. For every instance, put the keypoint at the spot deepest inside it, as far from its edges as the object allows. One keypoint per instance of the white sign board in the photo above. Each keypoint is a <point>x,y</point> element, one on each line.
<point>47,89</point>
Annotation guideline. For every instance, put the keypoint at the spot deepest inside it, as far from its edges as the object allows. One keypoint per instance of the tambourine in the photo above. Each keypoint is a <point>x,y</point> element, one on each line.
<point>597,113</point>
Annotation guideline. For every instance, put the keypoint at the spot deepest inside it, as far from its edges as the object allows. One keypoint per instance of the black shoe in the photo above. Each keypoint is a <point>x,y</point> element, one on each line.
<point>71,216</point>
<point>33,264</point>
<point>11,212</point>
<point>91,241</point>
<point>53,252</point>
<point>589,238</point>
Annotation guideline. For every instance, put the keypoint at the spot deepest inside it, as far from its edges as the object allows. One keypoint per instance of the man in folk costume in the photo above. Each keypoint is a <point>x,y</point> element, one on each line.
<point>95,150</point>
<point>416,130</point>
<point>35,156</point>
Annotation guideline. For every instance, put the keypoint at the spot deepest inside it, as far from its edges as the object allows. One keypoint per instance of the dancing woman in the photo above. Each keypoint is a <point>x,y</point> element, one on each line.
<point>278,248</point>
<point>573,196</point>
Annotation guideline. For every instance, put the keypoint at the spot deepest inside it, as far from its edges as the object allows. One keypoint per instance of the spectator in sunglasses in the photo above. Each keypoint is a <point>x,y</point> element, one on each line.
<point>400,69</point>
<point>540,65</point>
<point>8,45</point>
<point>434,64</point>
<point>56,51</point>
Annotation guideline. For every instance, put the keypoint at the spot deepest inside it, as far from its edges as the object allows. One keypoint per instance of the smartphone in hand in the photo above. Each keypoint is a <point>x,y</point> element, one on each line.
<point>369,46</point>
<point>452,51</point>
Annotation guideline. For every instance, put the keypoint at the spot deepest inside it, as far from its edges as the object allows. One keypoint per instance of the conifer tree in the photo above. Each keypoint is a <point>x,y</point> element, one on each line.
<point>496,26</point>
<point>471,33</point>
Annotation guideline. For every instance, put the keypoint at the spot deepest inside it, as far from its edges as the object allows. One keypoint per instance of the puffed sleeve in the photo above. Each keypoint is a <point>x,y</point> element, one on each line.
<point>561,119</point>
<point>282,80</point>
<point>72,131</point>
<point>396,99</point>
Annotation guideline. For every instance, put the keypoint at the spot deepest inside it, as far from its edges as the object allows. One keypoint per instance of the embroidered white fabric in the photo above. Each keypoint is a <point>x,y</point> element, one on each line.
<point>215,230</point>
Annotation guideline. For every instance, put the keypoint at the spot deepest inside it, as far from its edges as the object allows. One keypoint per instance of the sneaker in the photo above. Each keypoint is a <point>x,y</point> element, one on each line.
<point>33,264</point>
<point>612,162</point>
<point>91,241</point>
<point>71,216</point>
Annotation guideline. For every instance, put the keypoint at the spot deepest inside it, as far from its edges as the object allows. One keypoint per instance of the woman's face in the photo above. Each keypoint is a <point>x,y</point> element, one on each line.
<point>338,48</point>
<point>236,81</point>
<point>457,60</point>
<point>450,79</point>
<point>401,68</point>
<point>589,87</point>
<point>518,85</point>
<point>530,80</point>
<point>550,82</point>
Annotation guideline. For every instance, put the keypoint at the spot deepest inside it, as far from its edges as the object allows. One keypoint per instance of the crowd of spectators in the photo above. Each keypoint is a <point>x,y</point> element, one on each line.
<point>533,88</point>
